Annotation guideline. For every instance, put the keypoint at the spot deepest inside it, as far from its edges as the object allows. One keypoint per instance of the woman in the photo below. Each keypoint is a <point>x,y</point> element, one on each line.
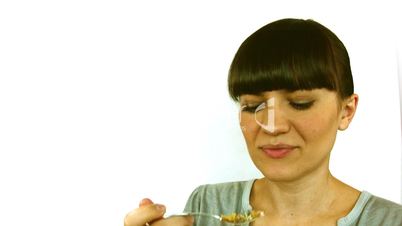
<point>294,84</point>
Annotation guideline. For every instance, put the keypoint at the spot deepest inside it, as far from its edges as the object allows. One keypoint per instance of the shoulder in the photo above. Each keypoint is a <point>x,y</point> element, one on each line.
<point>228,187</point>
<point>221,195</point>
<point>381,211</point>
<point>381,206</point>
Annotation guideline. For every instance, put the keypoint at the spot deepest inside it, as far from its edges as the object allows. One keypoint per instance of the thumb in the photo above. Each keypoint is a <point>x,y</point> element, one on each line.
<point>147,212</point>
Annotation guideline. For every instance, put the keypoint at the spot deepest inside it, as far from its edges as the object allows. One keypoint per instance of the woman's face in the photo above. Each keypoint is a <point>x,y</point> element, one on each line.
<point>292,133</point>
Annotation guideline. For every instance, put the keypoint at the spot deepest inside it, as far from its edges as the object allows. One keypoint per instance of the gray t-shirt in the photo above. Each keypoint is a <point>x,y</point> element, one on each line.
<point>227,198</point>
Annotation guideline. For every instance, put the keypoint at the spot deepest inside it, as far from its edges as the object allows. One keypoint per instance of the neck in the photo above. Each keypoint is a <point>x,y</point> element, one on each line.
<point>305,196</point>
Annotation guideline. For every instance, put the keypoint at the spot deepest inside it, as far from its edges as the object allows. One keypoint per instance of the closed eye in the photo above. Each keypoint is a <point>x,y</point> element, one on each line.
<point>301,105</point>
<point>249,108</point>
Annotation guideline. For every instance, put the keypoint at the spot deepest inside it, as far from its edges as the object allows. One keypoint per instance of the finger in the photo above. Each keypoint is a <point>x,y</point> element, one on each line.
<point>176,221</point>
<point>144,214</point>
<point>146,202</point>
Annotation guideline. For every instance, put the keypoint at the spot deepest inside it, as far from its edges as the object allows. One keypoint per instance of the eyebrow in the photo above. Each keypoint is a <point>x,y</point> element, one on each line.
<point>250,98</point>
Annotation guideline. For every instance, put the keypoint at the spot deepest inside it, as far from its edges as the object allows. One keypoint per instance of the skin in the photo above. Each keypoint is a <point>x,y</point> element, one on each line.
<point>299,189</point>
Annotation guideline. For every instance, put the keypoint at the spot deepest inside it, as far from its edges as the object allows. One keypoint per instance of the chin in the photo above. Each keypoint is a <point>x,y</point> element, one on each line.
<point>280,175</point>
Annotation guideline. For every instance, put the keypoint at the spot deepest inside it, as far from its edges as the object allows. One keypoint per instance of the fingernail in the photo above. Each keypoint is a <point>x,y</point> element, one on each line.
<point>160,207</point>
<point>145,201</point>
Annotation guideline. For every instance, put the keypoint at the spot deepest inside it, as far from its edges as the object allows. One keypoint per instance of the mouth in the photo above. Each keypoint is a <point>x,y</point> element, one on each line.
<point>277,151</point>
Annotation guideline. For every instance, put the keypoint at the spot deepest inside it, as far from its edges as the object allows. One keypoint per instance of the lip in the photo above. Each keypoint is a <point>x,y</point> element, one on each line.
<point>277,151</point>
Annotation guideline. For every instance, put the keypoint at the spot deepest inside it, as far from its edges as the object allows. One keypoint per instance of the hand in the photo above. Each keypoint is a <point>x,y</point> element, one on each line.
<point>152,214</point>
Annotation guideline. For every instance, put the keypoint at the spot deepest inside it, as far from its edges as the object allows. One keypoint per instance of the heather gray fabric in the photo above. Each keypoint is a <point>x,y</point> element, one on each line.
<point>233,197</point>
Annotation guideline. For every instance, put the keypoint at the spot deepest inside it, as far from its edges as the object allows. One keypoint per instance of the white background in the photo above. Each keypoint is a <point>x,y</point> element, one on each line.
<point>103,103</point>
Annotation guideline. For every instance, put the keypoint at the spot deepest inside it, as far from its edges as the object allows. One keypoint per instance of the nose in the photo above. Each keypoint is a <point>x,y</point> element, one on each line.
<point>274,120</point>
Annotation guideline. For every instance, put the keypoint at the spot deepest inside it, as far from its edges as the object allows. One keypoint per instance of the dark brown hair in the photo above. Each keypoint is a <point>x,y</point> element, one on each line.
<point>291,54</point>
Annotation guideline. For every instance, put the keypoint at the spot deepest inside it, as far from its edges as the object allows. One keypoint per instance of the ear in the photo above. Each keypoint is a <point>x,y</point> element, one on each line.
<point>348,111</point>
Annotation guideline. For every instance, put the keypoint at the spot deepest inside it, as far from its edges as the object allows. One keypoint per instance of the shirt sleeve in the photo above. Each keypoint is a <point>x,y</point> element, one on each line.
<point>194,201</point>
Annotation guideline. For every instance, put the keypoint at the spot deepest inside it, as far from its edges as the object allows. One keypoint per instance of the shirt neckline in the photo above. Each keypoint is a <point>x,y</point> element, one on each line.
<point>346,220</point>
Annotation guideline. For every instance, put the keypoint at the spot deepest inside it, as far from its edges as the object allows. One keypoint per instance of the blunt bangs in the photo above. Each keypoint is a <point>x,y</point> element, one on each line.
<point>290,54</point>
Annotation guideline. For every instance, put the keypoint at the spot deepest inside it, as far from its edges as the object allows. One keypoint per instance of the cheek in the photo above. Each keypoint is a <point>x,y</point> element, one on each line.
<point>317,129</point>
<point>249,134</point>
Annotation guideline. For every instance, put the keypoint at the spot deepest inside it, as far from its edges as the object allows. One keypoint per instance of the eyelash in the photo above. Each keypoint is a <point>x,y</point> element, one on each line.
<point>295,105</point>
<point>301,106</point>
<point>249,108</point>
